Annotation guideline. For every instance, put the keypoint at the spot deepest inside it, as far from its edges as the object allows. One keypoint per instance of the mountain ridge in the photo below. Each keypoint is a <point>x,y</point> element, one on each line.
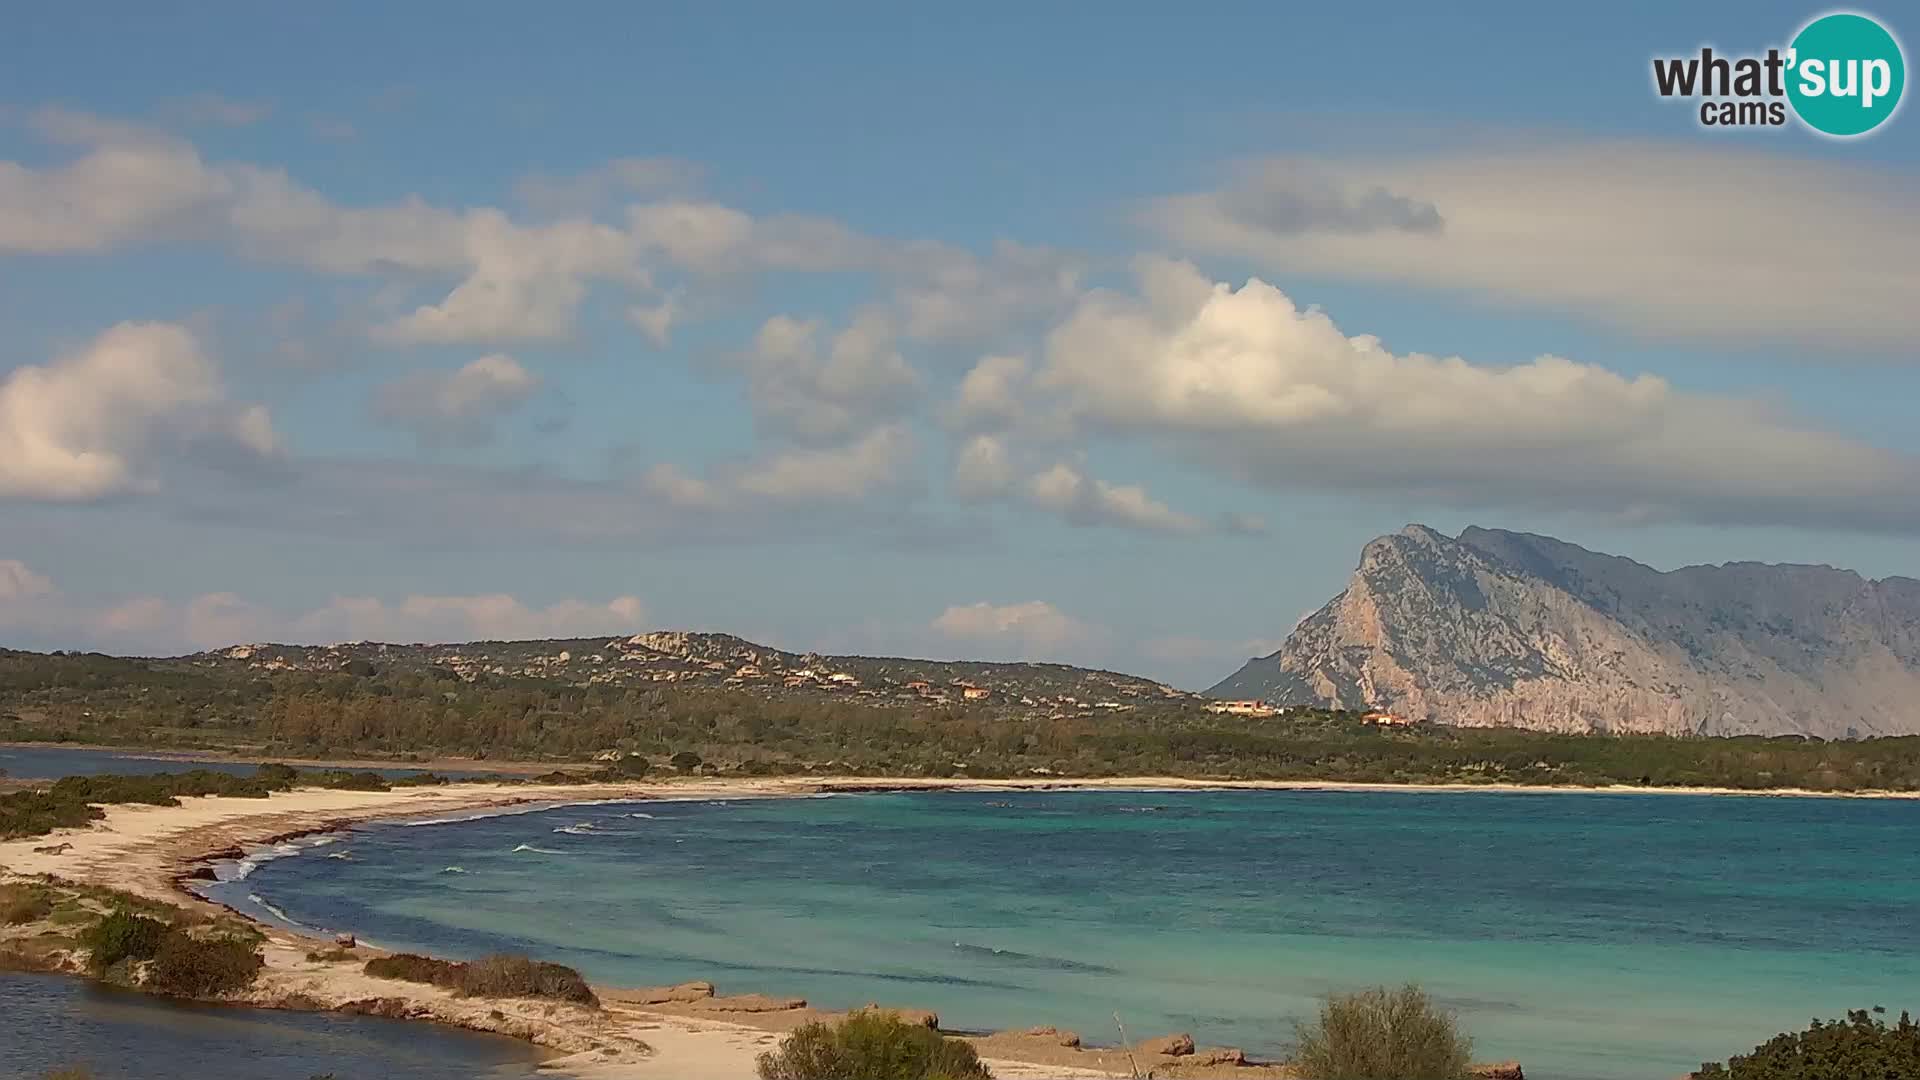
<point>1517,629</point>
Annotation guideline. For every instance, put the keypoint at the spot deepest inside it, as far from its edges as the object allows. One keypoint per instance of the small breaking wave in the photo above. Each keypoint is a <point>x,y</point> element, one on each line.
<point>538,850</point>
<point>259,857</point>
<point>453,869</point>
<point>1031,960</point>
<point>582,828</point>
<point>254,898</point>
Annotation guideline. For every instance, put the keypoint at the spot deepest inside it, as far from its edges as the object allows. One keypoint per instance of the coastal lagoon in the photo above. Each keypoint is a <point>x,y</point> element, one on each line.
<point>1591,936</point>
<point>54,1022</point>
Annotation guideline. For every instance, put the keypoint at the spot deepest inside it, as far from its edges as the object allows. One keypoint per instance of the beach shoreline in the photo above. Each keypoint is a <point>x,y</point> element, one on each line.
<point>156,852</point>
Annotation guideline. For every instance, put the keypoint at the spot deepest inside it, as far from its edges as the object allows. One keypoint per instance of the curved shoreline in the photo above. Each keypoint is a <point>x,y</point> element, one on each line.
<point>154,853</point>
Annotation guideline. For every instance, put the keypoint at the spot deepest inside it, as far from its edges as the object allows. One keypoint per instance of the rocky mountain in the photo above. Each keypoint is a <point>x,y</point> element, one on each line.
<point>682,658</point>
<point>1503,628</point>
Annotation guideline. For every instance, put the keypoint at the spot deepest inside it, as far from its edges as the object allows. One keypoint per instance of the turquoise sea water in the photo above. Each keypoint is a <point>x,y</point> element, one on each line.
<point>1593,937</point>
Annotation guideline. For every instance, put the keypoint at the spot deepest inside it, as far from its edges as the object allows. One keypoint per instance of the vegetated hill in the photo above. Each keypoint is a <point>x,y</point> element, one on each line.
<point>697,659</point>
<point>1503,628</point>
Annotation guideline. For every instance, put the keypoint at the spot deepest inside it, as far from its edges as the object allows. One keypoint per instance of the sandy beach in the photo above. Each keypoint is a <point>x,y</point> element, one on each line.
<point>149,850</point>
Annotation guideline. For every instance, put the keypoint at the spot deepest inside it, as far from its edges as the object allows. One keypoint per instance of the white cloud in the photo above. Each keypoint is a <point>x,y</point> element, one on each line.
<point>511,280</point>
<point>457,406</point>
<point>992,396</point>
<point>101,420</point>
<point>18,581</point>
<point>32,607</point>
<point>1245,381</point>
<point>982,469</point>
<point>1084,500</point>
<point>657,320</point>
<point>1034,630</point>
<point>812,394</point>
<point>946,294</point>
<point>843,474</point>
<point>1685,241</point>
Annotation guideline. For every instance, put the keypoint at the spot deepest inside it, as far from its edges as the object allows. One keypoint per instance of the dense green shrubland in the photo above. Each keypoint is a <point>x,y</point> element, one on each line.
<point>403,714</point>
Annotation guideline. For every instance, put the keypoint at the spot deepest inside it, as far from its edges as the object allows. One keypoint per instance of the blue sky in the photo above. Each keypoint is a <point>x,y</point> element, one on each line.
<point>1105,335</point>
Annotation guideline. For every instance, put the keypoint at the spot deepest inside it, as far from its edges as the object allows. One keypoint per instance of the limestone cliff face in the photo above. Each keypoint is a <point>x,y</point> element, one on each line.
<point>1500,628</point>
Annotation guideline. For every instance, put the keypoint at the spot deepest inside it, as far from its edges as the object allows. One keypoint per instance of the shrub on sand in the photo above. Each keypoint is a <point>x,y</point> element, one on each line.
<point>495,976</point>
<point>871,1045</point>
<point>186,966</point>
<point>122,935</point>
<point>518,976</point>
<point>1382,1034</point>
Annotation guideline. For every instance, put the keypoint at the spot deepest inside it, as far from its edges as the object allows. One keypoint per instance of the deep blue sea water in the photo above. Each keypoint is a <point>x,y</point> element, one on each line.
<point>52,1021</point>
<point>1593,937</point>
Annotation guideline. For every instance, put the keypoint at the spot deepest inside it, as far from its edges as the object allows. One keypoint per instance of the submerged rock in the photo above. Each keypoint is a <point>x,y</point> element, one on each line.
<point>682,994</point>
<point>751,1003</point>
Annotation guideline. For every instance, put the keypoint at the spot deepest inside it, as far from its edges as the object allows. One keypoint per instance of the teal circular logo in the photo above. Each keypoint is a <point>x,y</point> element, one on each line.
<point>1845,74</point>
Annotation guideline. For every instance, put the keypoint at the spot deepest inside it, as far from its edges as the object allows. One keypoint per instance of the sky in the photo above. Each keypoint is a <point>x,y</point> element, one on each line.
<point>1103,334</point>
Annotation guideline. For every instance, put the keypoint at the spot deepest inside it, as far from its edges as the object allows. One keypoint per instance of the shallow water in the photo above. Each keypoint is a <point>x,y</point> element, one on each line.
<point>51,1021</point>
<point>1593,937</point>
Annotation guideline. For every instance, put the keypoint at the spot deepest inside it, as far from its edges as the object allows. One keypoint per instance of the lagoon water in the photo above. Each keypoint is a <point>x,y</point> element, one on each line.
<point>1593,937</point>
<point>52,1022</point>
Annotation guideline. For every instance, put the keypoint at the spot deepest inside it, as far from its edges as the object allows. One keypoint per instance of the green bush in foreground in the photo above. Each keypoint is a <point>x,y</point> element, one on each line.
<point>871,1045</point>
<point>1861,1047</point>
<point>1382,1034</point>
<point>495,976</point>
<point>187,967</point>
<point>119,936</point>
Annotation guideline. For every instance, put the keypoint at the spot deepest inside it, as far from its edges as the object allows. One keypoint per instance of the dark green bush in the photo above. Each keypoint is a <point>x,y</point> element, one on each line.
<point>871,1045</point>
<point>630,766</point>
<point>685,761</point>
<point>343,780</point>
<point>1861,1047</point>
<point>1382,1034</point>
<point>495,976</point>
<point>277,775</point>
<point>189,967</point>
<point>411,967</point>
<point>420,779</point>
<point>119,936</point>
<point>518,976</point>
